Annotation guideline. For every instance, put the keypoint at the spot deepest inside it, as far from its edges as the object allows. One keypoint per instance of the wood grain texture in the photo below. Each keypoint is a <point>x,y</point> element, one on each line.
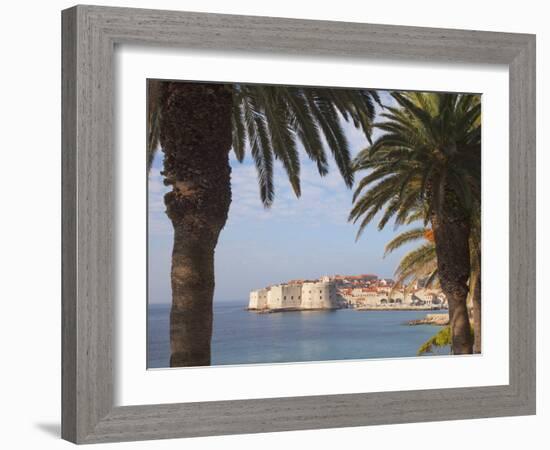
<point>89,210</point>
<point>68,226</point>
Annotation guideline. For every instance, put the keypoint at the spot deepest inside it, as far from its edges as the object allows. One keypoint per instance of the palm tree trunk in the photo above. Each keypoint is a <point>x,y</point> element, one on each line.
<point>196,139</point>
<point>451,233</point>
<point>476,314</point>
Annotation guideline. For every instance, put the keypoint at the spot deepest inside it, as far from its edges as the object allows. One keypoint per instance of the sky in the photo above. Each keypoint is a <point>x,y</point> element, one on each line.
<point>304,237</point>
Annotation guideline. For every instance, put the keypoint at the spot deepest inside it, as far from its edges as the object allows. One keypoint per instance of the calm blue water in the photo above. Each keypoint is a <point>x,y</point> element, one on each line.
<point>243,337</point>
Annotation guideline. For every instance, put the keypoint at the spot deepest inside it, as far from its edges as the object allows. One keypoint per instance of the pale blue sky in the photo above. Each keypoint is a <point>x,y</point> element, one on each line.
<point>304,237</point>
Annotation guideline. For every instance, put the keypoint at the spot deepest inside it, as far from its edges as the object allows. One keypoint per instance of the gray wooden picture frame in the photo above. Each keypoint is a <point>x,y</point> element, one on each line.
<point>90,34</point>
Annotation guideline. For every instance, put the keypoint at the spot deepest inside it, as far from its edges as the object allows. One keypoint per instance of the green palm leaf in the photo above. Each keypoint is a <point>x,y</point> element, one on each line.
<point>273,120</point>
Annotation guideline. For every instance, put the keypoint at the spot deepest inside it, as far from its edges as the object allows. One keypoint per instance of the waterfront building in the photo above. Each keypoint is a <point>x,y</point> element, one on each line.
<point>284,296</point>
<point>258,299</point>
<point>304,295</point>
<point>319,295</point>
<point>341,291</point>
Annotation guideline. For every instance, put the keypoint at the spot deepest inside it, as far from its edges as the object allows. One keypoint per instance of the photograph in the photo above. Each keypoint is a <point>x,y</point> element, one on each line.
<point>290,224</point>
<point>266,225</point>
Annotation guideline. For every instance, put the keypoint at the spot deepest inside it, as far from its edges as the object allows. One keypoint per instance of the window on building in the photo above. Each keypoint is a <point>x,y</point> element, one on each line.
<point>292,297</point>
<point>284,297</point>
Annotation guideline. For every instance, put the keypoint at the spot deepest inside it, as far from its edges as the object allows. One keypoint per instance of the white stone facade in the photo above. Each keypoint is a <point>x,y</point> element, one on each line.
<point>258,299</point>
<point>319,295</point>
<point>308,295</point>
<point>325,294</point>
<point>381,297</point>
<point>428,297</point>
<point>284,296</point>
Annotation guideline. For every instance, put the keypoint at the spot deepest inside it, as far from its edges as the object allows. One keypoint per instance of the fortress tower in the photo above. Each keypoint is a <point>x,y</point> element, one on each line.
<point>307,295</point>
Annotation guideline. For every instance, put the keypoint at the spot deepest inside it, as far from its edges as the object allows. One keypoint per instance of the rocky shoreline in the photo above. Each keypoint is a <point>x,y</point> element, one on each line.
<point>432,319</point>
<point>397,308</point>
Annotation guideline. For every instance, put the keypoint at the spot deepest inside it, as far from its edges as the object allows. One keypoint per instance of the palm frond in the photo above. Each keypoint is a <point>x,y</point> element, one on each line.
<point>153,121</point>
<point>239,129</point>
<point>292,115</point>
<point>260,148</point>
<point>404,238</point>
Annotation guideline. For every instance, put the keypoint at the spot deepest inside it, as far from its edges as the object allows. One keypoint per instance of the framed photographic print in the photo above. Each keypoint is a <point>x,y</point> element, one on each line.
<point>278,224</point>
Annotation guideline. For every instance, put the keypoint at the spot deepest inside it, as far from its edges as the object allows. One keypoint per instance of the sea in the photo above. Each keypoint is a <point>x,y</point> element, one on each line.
<point>245,337</point>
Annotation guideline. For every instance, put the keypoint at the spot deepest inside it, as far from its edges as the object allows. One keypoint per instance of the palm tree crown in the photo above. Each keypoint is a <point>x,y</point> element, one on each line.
<point>429,154</point>
<point>274,119</point>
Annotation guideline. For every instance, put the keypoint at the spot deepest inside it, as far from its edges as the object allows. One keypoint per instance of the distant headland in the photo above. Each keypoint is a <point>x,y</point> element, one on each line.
<point>359,292</point>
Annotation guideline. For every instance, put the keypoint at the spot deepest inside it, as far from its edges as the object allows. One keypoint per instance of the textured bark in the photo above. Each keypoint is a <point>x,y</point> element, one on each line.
<point>195,136</point>
<point>476,314</point>
<point>451,233</point>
